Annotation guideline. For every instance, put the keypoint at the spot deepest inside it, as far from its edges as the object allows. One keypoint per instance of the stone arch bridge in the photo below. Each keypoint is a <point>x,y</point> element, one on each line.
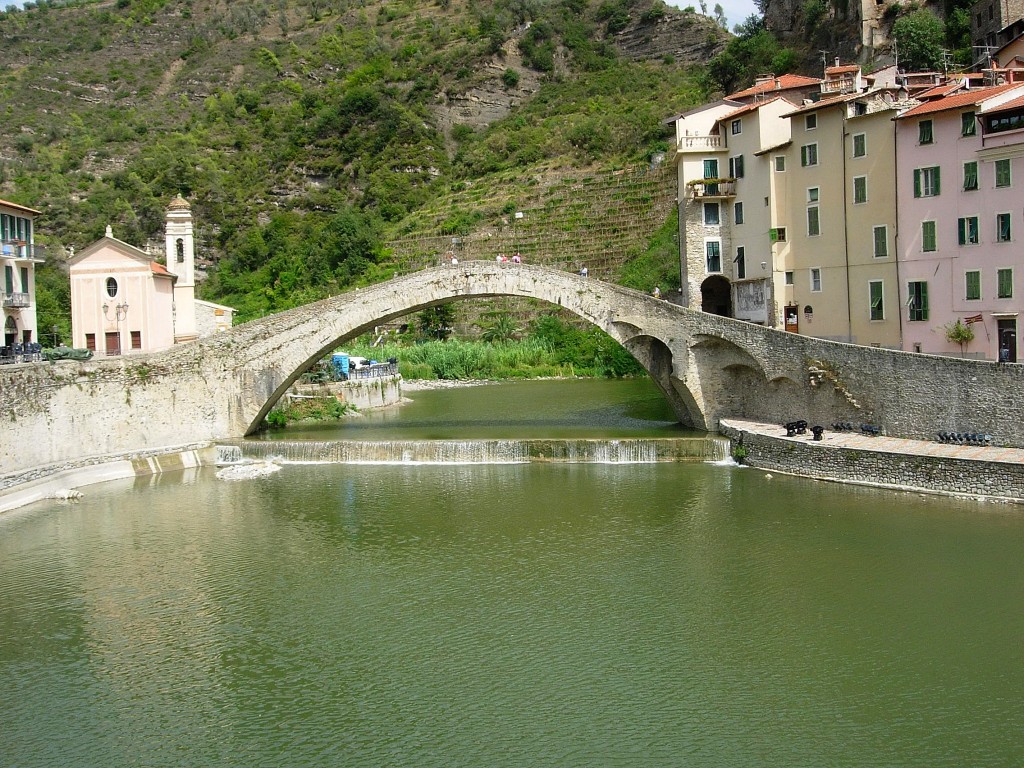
<point>708,367</point>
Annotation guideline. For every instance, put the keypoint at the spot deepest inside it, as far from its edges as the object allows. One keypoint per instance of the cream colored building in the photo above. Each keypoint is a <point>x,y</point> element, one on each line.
<point>18,259</point>
<point>839,269</point>
<point>123,301</point>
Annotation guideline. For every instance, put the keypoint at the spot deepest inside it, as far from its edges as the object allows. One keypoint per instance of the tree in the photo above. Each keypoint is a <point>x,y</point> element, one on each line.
<point>501,328</point>
<point>720,16</point>
<point>958,333</point>
<point>919,37</point>
<point>436,322</point>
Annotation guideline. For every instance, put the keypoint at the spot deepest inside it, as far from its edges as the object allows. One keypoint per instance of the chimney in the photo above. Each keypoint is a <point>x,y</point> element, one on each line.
<point>837,61</point>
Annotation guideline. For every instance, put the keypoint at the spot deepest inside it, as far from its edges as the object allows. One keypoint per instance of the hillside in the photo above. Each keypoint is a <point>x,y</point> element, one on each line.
<point>309,134</point>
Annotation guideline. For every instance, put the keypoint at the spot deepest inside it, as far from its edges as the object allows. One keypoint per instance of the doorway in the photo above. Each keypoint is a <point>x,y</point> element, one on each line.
<point>113,340</point>
<point>1007,339</point>
<point>716,296</point>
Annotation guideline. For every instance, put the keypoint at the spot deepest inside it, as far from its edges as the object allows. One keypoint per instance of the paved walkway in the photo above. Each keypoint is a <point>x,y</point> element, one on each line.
<point>884,444</point>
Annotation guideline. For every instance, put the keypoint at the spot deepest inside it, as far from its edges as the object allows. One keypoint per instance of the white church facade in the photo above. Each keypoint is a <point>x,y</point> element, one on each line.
<point>124,302</point>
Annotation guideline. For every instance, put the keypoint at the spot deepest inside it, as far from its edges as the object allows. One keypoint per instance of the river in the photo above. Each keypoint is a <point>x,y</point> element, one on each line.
<point>593,614</point>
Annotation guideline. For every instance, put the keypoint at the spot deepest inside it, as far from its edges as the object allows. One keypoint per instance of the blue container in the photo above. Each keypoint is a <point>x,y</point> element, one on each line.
<point>340,365</point>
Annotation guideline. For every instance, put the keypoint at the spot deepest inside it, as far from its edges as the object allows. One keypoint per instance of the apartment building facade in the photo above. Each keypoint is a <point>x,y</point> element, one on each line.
<point>840,264</point>
<point>19,257</point>
<point>961,166</point>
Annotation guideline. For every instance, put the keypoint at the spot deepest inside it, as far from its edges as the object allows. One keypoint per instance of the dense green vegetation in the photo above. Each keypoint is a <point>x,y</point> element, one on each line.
<point>552,347</point>
<point>305,133</point>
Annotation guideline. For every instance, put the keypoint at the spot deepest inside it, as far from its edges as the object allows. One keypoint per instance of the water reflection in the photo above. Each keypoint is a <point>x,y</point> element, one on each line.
<point>511,615</point>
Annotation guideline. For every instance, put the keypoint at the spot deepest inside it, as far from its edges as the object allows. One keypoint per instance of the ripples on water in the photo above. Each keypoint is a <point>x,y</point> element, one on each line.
<point>510,615</point>
<point>513,615</point>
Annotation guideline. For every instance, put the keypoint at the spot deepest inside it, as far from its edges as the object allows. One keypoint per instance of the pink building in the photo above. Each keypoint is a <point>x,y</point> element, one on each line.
<point>960,161</point>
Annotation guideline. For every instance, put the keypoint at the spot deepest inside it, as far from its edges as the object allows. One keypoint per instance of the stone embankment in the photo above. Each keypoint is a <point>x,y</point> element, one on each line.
<point>988,472</point>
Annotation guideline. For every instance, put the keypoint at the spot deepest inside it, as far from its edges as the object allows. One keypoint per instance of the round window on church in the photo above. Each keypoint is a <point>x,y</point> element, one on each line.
<point>111,287</point>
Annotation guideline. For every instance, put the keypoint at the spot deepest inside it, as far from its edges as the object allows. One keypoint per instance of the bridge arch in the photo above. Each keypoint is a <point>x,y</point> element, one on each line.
<point>281,348</point>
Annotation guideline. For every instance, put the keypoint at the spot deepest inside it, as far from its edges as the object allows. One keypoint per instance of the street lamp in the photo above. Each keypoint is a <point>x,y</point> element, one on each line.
<point>120,311</point>
<point>56,335</point>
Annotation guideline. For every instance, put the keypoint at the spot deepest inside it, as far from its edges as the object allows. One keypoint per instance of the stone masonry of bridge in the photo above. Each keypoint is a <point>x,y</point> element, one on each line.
<point>70,414</point>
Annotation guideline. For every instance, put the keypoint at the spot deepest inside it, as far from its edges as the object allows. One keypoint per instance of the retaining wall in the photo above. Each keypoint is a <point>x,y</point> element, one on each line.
<point>926,474</point>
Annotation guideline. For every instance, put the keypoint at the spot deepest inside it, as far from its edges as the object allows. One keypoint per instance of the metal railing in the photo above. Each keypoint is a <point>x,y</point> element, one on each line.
<point>17,300</point>
<point>712,188</point>
<point>15,249</point>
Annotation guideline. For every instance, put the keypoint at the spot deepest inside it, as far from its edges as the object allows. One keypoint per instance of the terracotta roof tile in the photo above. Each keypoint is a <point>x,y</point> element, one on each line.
<point>753,107</point>
<point>159,269</point>
<point>1012,104</point>
<point>785,82</point>
<point>967,98</point>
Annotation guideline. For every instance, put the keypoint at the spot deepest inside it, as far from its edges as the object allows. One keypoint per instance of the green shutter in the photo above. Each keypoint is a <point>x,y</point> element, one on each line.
<point>928,236</point>
<point>961,231</point>
<point>936,170</point>
<point>970,175</point>
<point>917,182</point>
<point>881,242</point>
<point>924,300</point>
<point>972,285</point>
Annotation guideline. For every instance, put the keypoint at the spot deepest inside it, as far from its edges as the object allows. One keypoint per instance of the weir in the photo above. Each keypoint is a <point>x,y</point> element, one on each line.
<point>575,451</point>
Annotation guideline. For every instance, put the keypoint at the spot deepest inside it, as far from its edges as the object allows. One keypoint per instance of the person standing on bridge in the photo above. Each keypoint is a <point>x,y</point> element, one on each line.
<point>656,292</point>
<point>584,272</point>
<point>517,259</point>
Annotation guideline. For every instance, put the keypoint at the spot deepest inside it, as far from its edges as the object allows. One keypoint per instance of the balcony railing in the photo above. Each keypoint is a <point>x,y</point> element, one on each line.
<point>15,249</point>
<point>699,143</point>
<point>712,187</point>
<point>16,300</point>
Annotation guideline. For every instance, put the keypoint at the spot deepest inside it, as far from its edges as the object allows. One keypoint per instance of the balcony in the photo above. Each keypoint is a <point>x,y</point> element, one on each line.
<point>711,188</point>
<point>16,249</point>
<point>16,301</point>
<point>711,143</point>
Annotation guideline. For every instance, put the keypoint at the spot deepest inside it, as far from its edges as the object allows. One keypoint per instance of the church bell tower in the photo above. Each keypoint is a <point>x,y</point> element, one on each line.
<point>181,262</point>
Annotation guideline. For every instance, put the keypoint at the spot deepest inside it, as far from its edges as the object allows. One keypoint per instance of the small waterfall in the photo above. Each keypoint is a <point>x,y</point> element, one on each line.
<point>621,451</point>
<point>228,454</point>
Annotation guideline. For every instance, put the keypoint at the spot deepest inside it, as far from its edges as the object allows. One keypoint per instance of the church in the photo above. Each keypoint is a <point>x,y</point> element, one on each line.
<point>123,301</point>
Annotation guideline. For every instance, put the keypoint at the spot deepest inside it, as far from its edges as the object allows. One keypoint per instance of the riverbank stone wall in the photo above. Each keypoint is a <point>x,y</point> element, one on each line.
<point>708,367</point>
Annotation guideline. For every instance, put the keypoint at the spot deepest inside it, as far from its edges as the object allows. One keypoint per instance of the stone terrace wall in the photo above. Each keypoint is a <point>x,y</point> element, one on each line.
<point>891,470</point>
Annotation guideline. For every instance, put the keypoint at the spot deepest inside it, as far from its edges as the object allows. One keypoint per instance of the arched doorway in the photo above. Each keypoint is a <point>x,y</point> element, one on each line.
<point>10,331</point>
<point>716,296</point>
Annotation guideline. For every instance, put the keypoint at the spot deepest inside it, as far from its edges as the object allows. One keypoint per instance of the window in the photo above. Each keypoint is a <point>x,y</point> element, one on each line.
<point>90,342</point>
<point>968,126</point>
<point>972,285</point>
<point>136,339</point>
<point>860,108</point>
<point>777,234</point>
<point>813,222</point>
<point>811,122</point>
<point>928,242</point>
<point>967,230</point>
<point>711,168</point>
<point>789,277</point>
<point>860,145</point>
<point>737,213</point>
<point>24,280</point>
<point>1003,173</point>
<point>860,189</point>
<point>736,127</point>
<point>9,278</point>
<point>713,252</point>
<point>815,279</point>
<point>917,301</point>
<point>809,155</point>
<point>970,175</point>
<point>179,246</point>
<point>780,163</point>
<point>111,287</point>
<point>812,194</point>
<point>926,181</point>
<point>1003,227</point>
<point>741,263</point>
<point>924,132</point>
<point>875,299</point>
<point>712,215</point>
<point>881,242</point>
<point>1004,280</point>
<point>736,167</point>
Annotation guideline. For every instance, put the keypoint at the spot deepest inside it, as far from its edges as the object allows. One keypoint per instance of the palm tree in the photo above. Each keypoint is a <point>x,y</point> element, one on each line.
<point>501,328</point>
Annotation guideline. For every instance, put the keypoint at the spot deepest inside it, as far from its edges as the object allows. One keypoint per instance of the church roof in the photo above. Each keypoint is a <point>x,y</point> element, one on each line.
<point>159,269</point>
<point>179,203</point>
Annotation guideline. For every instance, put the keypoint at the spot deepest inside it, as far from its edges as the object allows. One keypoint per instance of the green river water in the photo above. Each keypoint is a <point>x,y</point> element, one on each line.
<point>690,614</point>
